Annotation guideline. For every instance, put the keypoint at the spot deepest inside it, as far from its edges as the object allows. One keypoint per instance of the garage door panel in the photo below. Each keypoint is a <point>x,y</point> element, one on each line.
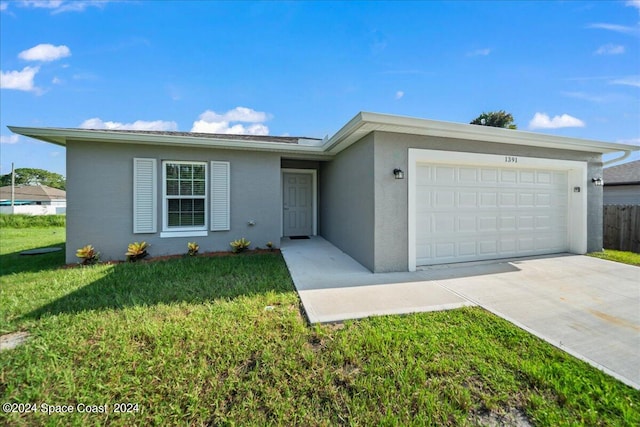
<point>527,177</point>
<point>508,176</point>
<point>467,175</point>
<point>469,213</point>
<point>488,199</point>
<point>467,224</point>
<point>467,199</point>
<point>508,199</point>
<point>445,175</point>
<point>488,175</point>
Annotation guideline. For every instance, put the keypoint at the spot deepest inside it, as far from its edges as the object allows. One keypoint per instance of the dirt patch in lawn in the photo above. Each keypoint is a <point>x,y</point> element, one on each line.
<point>514,417</point>
<point>12,340</point>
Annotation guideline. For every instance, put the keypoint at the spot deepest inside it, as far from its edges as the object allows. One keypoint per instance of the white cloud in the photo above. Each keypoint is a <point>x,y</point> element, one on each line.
<point>3,6</point>
<point>610,49</point>
<point>634,3</point>
<point>543,121</point>
<point>399,94</point>
<point>9,139</point>
<point>19,80</point>
<point>480,52</point>
<point>627,81</point>
<point>632,141</point>
<point>59,6</point>
<point>56,81</point>
<point>212,122</point>
<point>161,125</point>
<point>634,31</point>
<point>45,52</point>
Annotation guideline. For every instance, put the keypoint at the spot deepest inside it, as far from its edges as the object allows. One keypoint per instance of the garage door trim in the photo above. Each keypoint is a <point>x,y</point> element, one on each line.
<point>577,179</point>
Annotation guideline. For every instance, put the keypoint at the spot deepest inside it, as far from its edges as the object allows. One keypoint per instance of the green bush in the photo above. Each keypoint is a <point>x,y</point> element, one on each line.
<point>31,221</point>
<point>240,245</point>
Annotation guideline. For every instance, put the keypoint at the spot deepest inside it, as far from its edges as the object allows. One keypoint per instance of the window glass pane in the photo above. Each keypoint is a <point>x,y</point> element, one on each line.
<point>198,188</point>
<point>198,172</point>
<point>172,187</point>
<point>186,172</point>
<point>186,205</point>
<point>198,205</point>
<point>186,219</point>
<point>174,205</point>
<point>172,171</point>
<point>186,188</point>
<point>198,218</point>
<point>174,219</point>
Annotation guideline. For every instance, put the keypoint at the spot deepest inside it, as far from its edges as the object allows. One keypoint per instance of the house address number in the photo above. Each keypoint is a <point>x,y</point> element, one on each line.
<point>510,159</point>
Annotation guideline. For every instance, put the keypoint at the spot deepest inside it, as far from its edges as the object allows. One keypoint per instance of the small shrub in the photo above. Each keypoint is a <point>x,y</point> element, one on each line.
<point>88,255</point>
<point>270,246</point>
<point>192,248</point>
<point>240,245</point>
<point>136,251</point>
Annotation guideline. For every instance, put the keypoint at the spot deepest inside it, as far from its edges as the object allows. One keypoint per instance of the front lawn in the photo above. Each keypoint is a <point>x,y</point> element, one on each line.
<point>221,341</point>
<point>618,256</point>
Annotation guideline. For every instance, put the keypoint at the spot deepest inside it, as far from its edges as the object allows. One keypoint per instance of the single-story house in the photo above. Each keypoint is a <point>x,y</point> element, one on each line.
<point>32,200</point>
<point>393,192</point>
<point>622,184</point>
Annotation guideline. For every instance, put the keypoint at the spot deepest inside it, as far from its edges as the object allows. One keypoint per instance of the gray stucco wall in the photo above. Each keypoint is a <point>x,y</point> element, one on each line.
<point>100,198</point>
<point>391,195</point>
<point>347,208</point>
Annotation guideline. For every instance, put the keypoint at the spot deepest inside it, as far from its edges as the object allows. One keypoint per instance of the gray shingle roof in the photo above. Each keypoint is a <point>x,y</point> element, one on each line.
<point>38,193</point>
<point>626,173</point>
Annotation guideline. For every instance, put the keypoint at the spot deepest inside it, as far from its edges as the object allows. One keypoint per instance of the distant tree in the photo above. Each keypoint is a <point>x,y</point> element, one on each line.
<point>31,176</point>
<point>496,119</point>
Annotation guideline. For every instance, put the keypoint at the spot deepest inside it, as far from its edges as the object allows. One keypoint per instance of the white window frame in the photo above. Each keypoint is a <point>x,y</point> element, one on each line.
<point>200,231</point>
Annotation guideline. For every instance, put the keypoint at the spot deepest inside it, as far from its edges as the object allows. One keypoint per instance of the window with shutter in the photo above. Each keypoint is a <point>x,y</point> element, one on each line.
<point>184,196</point>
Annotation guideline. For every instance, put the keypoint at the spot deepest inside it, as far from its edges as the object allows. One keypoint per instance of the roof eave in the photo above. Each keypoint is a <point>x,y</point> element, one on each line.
<point>365,122</point>
<point>61,136</point>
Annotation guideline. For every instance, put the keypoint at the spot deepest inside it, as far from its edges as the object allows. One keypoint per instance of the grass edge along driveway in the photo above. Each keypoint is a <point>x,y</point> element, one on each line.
<point>221,341</point>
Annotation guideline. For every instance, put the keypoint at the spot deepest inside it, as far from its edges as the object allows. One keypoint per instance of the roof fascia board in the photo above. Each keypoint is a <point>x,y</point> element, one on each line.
<point>61,136</point>
<point>365,122</point>
<point>358,127</point>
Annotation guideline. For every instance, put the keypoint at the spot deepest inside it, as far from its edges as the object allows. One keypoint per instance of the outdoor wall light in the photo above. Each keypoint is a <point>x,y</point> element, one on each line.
<point>598,182</point>
<point>398,173</point>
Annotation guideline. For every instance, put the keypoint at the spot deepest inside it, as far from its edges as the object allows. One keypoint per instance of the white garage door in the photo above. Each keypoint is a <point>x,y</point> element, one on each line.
<point>467,213</point>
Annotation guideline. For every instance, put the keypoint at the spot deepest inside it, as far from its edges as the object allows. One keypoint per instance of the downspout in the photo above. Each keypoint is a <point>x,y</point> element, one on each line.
<point>624,156</point>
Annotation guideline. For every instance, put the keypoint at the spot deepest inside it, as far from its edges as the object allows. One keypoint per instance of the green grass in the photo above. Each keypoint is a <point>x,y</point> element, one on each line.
<point>27,221</point>
<point>618,256</point>
<point>221,341</point>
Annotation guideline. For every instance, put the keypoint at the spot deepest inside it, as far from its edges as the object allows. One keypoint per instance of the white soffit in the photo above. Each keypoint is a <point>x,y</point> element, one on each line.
<point>365,122</point>
<point>358,127</point>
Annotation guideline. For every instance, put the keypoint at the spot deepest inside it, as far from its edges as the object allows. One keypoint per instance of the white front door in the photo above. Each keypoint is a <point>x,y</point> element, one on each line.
<point>297,208</point>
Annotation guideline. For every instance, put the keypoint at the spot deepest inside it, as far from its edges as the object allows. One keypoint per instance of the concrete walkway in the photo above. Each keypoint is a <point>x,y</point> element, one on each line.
<point>334,287</point>
<point>585,306</point>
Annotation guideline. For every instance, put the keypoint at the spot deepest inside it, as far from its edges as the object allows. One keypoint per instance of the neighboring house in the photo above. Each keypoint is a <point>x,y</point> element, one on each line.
<point>622,184</point>
<point>33,200</point>
<point>393,192</point>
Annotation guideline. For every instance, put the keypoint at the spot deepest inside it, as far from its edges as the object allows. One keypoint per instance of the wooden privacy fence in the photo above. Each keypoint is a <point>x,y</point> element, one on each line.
<point>622,227</point>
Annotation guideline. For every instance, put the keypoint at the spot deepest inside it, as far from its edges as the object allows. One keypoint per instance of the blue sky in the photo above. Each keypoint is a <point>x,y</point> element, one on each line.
<point>306,68</point>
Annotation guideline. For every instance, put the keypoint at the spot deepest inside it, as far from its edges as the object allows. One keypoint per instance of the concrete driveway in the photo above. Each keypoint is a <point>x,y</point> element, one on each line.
<point>586,306</point>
